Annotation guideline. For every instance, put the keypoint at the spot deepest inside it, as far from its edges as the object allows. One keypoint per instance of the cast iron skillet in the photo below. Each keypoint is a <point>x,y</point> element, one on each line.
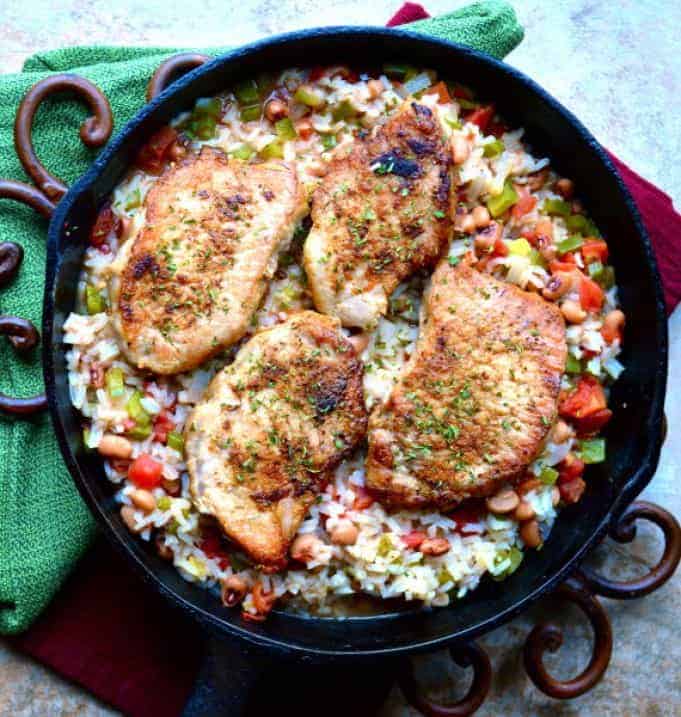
<point>634,435</point>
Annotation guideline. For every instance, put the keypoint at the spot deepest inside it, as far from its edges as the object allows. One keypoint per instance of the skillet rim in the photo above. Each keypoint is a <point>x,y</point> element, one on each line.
<point>123,541</point>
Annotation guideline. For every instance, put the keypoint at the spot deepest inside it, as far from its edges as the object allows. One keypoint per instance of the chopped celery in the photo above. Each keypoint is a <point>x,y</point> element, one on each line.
<point>343,111</point>
<point>203,127</point>
<point>285,129</point>
<point>394,69</point>
<point>139,432</point>
<point>329,141</point>
<point>520,247</point>
<point>467,104</point>
<point>94,301</point>
<point>273,150</point>
<point>493,149</point>
<point>175,441</point>
<point>593,366</point>
<point>592,450</point>
<point>164,502</point>
<point>502,202</point>
<point>113,379</point>
<point>247,92</point>
<point>607,277</point>
<point>250,113</point>
<point>557,206</point>
<point>309,97</point>
<point>573,365</point>
<point>595,269</point>
<point>208,107</point>
<point>136,410</point>
<point>243,152</point>
<point>514,557</point>
<point>453,123</point>
<point>133,200</point>
<point>385,545</point>
<point>570,244</point>
<point>582,225</point>
<point>548,475</point>
<point>417,84</point>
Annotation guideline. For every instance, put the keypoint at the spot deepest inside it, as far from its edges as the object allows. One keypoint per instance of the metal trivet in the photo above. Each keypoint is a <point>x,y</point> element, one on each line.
<point>582,589</point>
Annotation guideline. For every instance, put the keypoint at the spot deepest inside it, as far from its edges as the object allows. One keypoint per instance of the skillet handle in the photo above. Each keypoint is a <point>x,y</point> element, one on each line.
<point>94,132</point>
<point>226,678</point>
<point>169,70</point>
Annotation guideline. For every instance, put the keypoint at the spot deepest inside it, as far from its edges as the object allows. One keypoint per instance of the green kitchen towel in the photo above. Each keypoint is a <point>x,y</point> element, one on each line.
<point>44,525</point>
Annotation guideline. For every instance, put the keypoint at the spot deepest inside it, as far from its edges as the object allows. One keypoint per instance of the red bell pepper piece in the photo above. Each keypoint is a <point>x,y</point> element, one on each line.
<point>151,158</point>
<point>595,250</point>
<point>481,116</point>
<point>590,295</point>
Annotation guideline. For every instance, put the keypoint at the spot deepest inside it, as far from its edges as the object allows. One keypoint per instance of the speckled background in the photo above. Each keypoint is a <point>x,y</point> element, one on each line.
<point>617,65</point>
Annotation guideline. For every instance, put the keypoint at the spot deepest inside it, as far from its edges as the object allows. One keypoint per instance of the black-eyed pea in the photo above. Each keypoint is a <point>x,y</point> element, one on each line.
<point>573,312</point>
<point>345,533</point>
<point>505,501</point>
<point>143,499</point>
<point>530,534</point>
<point>112,446</point>
<point>524,511</point>
<point>233,590</point>
<point>434,546</point>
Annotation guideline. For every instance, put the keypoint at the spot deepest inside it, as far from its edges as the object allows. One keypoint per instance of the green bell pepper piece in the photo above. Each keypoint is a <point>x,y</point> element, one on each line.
<point>176,441</point>
<point>344,111</point>
<point>273,150</point>
<point>94,301</point>
<point>595,269</point>
<point>573,365</point>
<point>250,113</point>
<point>592,450</point>
<point>548,475</point>
<point>557,206</point>
<point>607,277</point>
<point>570,244</point>
<point>247,92</point>
<point>113,380</point>
<point>502,202</point>
<point>136,410</point>
<point>243,152</point>
<point>285,129</point>
<point>308,97</point>
<point>329,141</point>
<point>493,149</point>
<point>394,69</point>
<point>208,107</point>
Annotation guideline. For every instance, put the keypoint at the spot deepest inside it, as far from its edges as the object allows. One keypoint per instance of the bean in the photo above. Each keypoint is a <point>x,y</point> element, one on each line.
<point>375,88</point>
<point>113,446</point>
<point>524,511</point>
<point>486,238</point>
<point>128,517</point>
<point>565,187</point>
<point>530,534</point>
<point>460,149</point>
<point>613,322</point>
<point>276,110</point>
<point>345,533</point>
<point>558,285</point>
<point>143,499</point>
<point>504,501</point>
<point>233,590</point>
<point>305,547</point>
<point>434,546</point>
<point>573,312</point>
<point>561,432</point>
<point>481,217</point>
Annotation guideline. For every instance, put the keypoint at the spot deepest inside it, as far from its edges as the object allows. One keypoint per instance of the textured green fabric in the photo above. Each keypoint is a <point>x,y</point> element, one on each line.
<point>44,526</point>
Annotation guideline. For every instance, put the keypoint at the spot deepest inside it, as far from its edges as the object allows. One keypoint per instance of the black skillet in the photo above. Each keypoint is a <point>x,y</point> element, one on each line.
<point>634,435</point>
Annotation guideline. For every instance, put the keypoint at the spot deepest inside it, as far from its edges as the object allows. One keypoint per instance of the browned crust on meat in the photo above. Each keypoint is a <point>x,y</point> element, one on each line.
<point>381,212</point>
<point>476,400</point>
<point>299,411</point>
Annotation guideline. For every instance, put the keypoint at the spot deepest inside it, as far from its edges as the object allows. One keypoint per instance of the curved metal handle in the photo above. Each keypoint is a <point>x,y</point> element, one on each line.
<point>23,336</point>
<point>470,655</point>
<point>94,131</point>
<point>624,531</point>
<point>550,637</point>
<point>168,71</point>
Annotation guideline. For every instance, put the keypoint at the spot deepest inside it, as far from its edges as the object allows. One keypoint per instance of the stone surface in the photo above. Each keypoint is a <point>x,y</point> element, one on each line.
<point>616,65</point>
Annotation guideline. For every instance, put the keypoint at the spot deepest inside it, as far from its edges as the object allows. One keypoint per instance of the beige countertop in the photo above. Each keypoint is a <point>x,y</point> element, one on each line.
<point>618,67</point>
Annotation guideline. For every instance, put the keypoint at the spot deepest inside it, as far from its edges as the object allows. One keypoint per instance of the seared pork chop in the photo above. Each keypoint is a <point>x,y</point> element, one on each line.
<point>188,284</point>
<point>476,399</point>
<point>381,212</point>
<point>270,430</point>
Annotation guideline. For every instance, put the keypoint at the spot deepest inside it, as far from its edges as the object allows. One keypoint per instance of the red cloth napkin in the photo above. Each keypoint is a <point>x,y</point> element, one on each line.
<point>120,640</point>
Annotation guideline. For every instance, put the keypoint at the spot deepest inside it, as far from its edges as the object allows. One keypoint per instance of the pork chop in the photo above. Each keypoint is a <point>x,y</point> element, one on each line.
<point>476,399</point>
<point>381,212</point>
<point>188,284</point>
<point>272,427</point>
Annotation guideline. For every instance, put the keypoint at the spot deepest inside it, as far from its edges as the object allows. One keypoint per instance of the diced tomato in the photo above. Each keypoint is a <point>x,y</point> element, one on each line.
<point>461,92</point>
<point>570,468</point>
<point>595,250</point>
<point>414,538</point>
<point>481,116</point>
<point>585,400</point>
<point>572,491</point>
<point>610,334</point>
<point>211,543</point>
<point>500,248</point>
<point>106,223</point>
<point>316,73</point>
<point>440,89</point>
<point>462,195</point>
<point>363,499</point>
<point>593,423</point>
<point>497,128</point>
<point>466,517</point>
<point>590,295</point>
<point>145,472</point>
<point>556,267</point>
<point>526,202</point>
<point>151,157</point>
<point>162,426</point>
<point>304,128</point>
